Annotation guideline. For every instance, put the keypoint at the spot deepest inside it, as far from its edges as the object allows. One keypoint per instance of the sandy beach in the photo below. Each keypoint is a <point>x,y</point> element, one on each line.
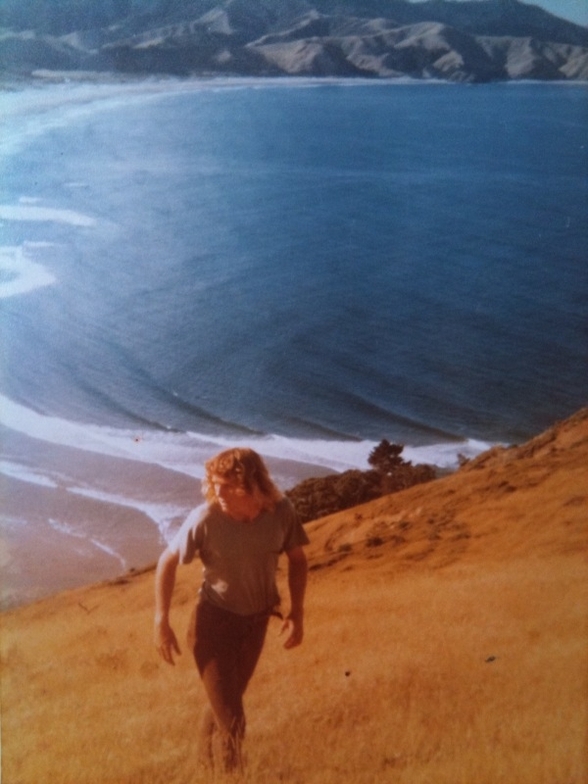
<point>62,532</point>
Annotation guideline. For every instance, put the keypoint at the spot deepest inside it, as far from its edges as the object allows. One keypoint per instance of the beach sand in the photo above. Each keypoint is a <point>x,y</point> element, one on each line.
<point>74,516</point>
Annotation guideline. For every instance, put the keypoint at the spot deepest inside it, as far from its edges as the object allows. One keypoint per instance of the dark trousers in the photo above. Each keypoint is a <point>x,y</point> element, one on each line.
<point>226,648</point>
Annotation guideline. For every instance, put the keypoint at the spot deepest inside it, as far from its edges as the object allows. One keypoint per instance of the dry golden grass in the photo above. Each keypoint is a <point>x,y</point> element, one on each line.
<point>447,643</point>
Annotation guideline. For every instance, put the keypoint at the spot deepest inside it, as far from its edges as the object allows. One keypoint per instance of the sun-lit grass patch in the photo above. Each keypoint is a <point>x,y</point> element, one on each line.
<point>465,665</point>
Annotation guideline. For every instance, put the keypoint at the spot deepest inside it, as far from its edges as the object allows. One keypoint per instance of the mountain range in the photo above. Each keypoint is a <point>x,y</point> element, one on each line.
<point>468,41</point>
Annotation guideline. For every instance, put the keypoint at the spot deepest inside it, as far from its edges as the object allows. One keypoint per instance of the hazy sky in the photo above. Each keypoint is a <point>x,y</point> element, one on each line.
<point>574,10</point>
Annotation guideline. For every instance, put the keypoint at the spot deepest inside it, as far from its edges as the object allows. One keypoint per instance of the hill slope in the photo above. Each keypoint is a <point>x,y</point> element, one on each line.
<point>508,502</point>
<point>446,641</point>
<point>472,41</point>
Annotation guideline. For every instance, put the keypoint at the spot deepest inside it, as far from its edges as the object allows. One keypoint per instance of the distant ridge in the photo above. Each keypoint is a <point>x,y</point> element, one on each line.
<point>467,41</point>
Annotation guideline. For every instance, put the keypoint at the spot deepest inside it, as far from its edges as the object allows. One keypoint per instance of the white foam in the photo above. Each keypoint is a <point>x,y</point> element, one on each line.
<point>26,474</point>
<point>21,272</point>
<point>67,530</point>
<point>186,453</point>
<point>109,551</point>
<point>35,213</point>
<point>446,455</point>
<point>336,455</point>
<point>163,515</point>
<point>32,111</point>
<point>344,455</point>
<point>169,450</point>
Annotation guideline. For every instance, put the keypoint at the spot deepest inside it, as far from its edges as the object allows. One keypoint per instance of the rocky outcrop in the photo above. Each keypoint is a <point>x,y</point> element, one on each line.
<point>489,40</point>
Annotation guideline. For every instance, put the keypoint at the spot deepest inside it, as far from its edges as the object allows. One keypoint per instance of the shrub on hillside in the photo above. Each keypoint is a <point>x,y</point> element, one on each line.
<point>314,498</point>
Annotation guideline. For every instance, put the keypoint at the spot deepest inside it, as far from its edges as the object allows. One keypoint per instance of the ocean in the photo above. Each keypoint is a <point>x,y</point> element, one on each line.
<point>305,267</point>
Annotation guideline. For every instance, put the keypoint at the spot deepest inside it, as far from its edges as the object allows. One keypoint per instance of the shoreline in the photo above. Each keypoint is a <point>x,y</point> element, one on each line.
<point>90,565</point>
<point>10,83</point>
<point>75,516</point>
<point>59,537</point>
<point>92,502</point>
<point>102,503</point>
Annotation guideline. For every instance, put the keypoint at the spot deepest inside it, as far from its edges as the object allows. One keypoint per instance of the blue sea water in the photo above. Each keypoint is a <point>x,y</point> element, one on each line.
<point>308,267</point>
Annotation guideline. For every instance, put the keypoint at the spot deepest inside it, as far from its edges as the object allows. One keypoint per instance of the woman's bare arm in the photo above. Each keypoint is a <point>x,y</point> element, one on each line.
<point>297,575</point>
<point>165,580</point>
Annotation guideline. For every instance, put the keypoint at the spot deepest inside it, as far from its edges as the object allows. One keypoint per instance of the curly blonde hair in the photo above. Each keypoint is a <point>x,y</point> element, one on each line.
<point>245,468</point>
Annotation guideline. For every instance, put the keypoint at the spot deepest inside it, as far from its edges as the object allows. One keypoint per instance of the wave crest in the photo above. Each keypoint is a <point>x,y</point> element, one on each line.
<point>19,274</point>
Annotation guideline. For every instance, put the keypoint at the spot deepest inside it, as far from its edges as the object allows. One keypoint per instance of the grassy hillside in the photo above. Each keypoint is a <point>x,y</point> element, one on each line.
<point>446,642</point>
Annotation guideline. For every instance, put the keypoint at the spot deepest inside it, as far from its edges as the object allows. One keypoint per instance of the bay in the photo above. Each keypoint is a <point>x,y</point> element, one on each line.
<point>304,266</point>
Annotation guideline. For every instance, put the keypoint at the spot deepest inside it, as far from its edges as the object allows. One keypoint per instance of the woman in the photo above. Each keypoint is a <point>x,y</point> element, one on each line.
<point>239,536</point>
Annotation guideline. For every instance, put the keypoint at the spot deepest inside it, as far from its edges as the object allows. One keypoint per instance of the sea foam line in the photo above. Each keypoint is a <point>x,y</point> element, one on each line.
<point>186,452</point>
<point>63,528</point>
<point>163,515</point>
<point>30,112</point>
<point>19,274</point>
<point>26,474</point>
<point>27,212</point>
<point>157,449</point>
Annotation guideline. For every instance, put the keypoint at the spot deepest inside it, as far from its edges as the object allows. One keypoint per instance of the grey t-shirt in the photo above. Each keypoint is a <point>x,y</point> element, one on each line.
<point>239,559</point>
